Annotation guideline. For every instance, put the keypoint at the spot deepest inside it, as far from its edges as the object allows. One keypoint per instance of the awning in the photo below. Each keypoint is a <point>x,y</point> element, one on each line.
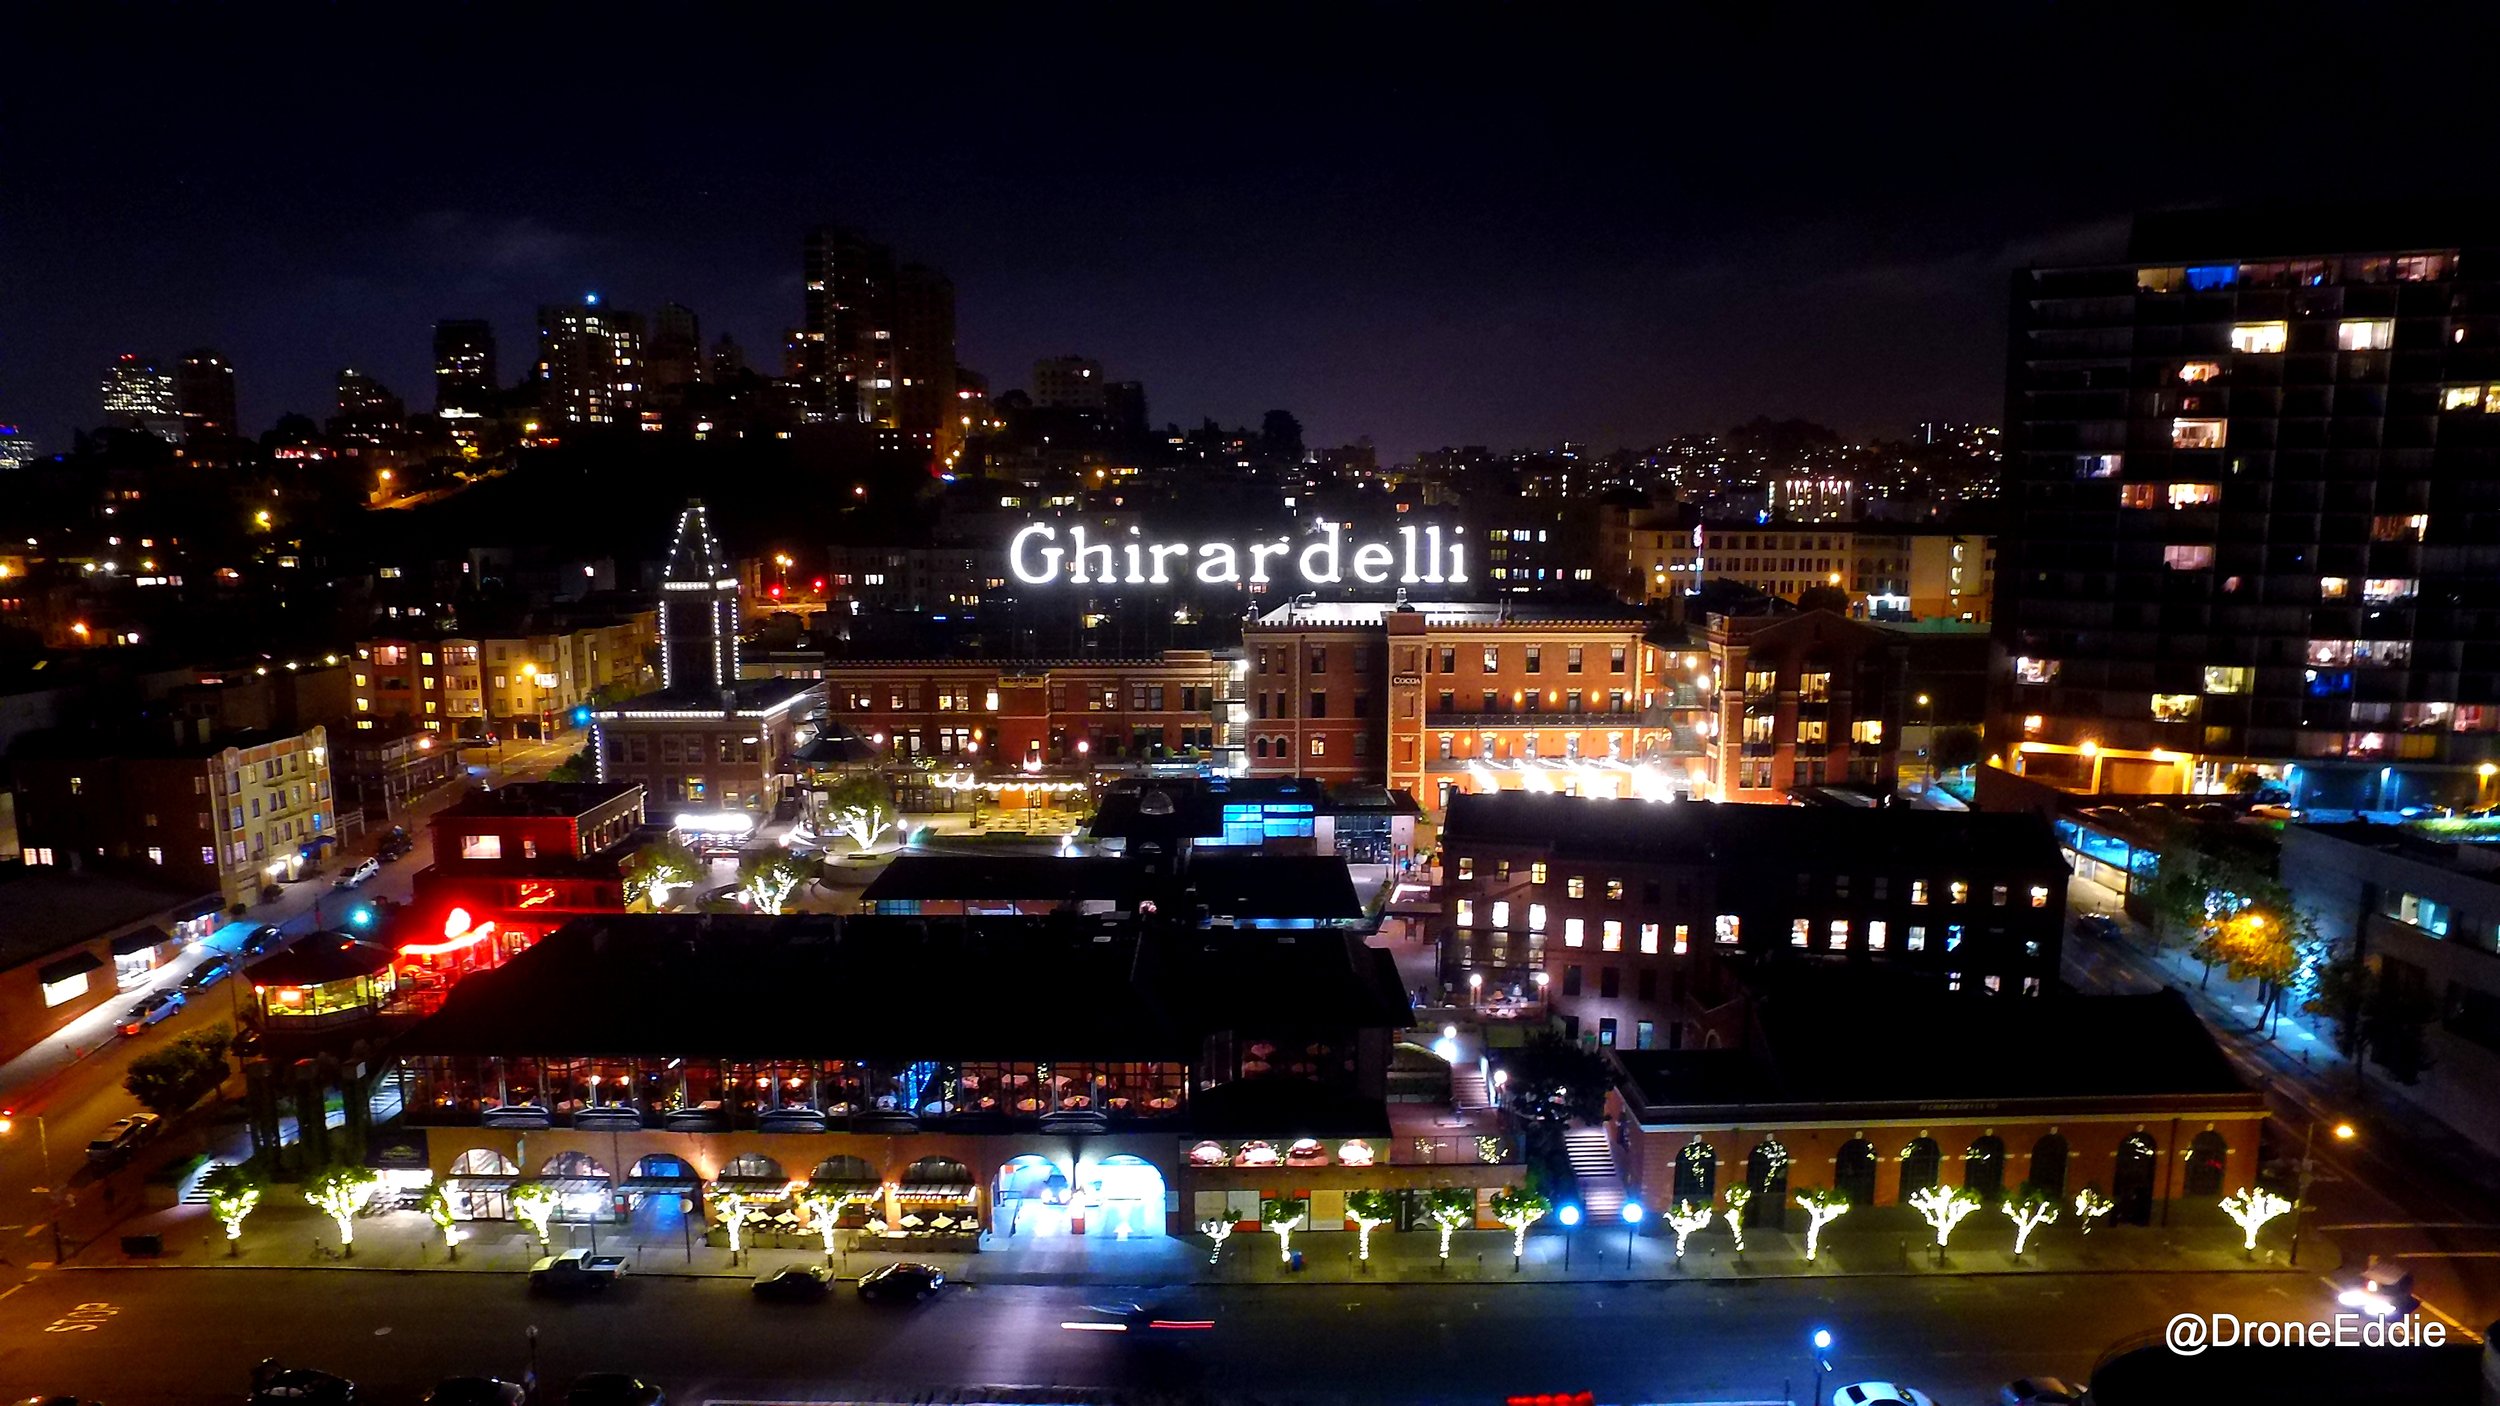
<point>934,1191</point>
<point>774,1186</point>
<point>682,1186</point>
<point>131,944</point>
<point>204,908</point>
<point>75,964</point>
<point>488,1182</point>
<point>851,1186</point>
<point>578,1186</point>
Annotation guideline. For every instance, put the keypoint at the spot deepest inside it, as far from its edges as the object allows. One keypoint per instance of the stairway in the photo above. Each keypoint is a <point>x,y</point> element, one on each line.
<point>1467,1086</point>
<point>198,1193</point>
<point>1592,1155</point>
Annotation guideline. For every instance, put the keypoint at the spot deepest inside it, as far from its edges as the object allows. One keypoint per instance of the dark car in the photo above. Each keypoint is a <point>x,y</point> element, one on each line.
<point>801,1284</point>
<point>261,941</point>
<point>209,973</point>
<point>613,1389</point>
<point>476,1391</point>
<point>2100,926</point>
<point>1153,1322</point>
<point>903,1280</point>
<point>273,1385</point>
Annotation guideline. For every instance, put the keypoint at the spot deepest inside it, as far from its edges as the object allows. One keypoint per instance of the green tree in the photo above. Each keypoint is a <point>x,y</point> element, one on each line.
<point>1284,1215</point>
<point>339,1191</point>
<point>653,870</point>
<point>1519,1208</point>
<point>1450,1208</point>
<point>535,1203</point>
<point>1553,1078</point>
<point>2183,879</point>
<point>233,1191</point>
<point>1954,748</point>
<point>2255,932</point>
<point>861,806</point>
<point>1824,597</point>
<point>167,1081</point>
<point>1369,1210</point>
<point>580,766</point>
<point>2373,1017</point>
<point>768,879</point>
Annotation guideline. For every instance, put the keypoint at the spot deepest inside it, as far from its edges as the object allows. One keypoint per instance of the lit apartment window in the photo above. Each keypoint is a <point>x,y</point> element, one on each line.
<point>2197,434</point>
<point>2187,558</point>
<point>1840,934</point>
<point>1319,746</point>
<point>1536,873</point>
<point>2365,334</point>
<point>2033,722</point>
<point>1683,938</point>
<point>1576,887</point>
<point>1467,866</point>
<point>1959,890</point>
<point>1536,917</point>
<point>1609,936</point>
<point>1868,732</point>
<point>2334,587</point>
<point>1466,912</point>
<point>2039,896</point>
<point>2379,590</point>
<point>1614,890</point>
<point>1918,893</point>
<point>2225,678</point>
<point>2027,670</point>
<point>1501,913</point>
<point>1800,932</point>
<point>2462,398</point>
<point>1760,682</point>
<point>2261,338</point>
<point>1875,935</point>
<point>2399,527</point>
<point>1575,932</point>
<point>1649,939</point>
<point>2174,707</point>
<point>1728,928</point>
<point>2199,371</point>
<point>2194,495</point>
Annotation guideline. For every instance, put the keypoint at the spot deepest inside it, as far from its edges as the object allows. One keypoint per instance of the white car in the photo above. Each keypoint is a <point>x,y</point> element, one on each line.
<point>357,875</point>
<point>1881,1394</point>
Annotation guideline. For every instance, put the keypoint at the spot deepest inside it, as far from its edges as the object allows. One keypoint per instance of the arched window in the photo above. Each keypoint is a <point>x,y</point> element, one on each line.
<point>2131,1182</point>
<point>1983,1167</point>
<point>1919,1161</point>
<point>842,1167</point>
<point>753,1166</point>
<point>660,1166</point>
<point>2048,1167</point>
<point>2207,1156</point>
<point>1697,1174</point>
<point>1853,1172</point>
<point>483,1162</point>
<point>1766,1175</point>
<point>570,1166</point>
<point>1258,746</point>
<point>937,1171</point>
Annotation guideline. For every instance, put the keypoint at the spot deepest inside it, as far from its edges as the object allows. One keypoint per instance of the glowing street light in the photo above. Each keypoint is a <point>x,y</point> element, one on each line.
<point>1569,1215</point>
<point>1632,1213</point>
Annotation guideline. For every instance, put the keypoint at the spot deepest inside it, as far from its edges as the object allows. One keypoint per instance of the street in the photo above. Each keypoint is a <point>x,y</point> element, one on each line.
<point>140,1337</point>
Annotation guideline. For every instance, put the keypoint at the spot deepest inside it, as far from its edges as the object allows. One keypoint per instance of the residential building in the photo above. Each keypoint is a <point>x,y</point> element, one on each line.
<point>1888,571</point>
<point>2128,1095</point>
<point>464,369</point>
<point>1007,716</point>
<point>367,409</point>
<point>529,683</point>
<point>2256,465</point>
<point>204,397</point>
<point>1630,917</point>
<point>675,356</point>
<point>925,417</point>
<point>1443,697</point>
<point>205,810</point>
<point>137,396</point>
<point>590,370</point>
<point>706,739</point>
<point>918,580</point>
<point>17,448</point>
<point>1068,383</point>
<point>844,351</point>
<point>1801,698</point>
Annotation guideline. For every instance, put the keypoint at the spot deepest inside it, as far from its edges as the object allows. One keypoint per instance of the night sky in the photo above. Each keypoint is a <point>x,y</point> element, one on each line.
<point>1428,225</point>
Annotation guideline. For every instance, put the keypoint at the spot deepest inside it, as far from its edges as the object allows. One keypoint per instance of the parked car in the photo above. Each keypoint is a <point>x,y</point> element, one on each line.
<point>576,1270</point>
<point>261,941</point>
<point>2039,1391</point>
<point>125,1134</point>
<point>613,1389</point>
<point>903,1280</point>
<point>1881,1394</point>
<point>148,1010</point>
<point>2099,926</point>
<point>209,973</point>
<point>476,1391</point>
<point>396,844</point>
<point>271,893</point>
<point>273,1385</point>
<point>365,869</point>
<point>798,1284</point>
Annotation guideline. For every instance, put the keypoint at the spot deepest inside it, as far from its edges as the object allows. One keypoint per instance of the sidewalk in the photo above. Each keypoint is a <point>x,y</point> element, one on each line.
<point>284,1233</point>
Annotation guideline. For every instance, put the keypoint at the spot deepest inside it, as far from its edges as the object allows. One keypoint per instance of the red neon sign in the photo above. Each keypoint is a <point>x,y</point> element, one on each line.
<point>458,932</point>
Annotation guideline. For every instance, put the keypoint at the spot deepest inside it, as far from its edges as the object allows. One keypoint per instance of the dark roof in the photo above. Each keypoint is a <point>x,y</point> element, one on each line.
<point>1283,1109</point>
<point>1001,878</point>
<point>812,985</point>
<point>1582,827</point>
<point>1271,885</point>
<point>318,960</point>
<point>44,909</point>
<point>749,695</point>
<point>1831,1049</point>
<point>161,743</point>
<point>540,798</point>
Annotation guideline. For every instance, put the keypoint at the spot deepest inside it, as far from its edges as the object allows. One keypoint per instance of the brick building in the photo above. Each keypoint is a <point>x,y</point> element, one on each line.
<point>513,864</point>
<point>1051,713</point>
<point>1443,698</point>
<point>527,683</point>
<point>1639,915</point>
<point>1802,699</point>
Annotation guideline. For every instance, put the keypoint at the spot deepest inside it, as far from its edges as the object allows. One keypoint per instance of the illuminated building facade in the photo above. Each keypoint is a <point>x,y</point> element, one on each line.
<point>1800,699</point>
<point>1440,698</point>
<point>137,396</point>
<point>464,368</point>
<point>1888,572</point>
<point>511,865</point>
<point>532,684</point>
<point>1079,713</point>
<point>590,368</point>
<point>2257,468</point>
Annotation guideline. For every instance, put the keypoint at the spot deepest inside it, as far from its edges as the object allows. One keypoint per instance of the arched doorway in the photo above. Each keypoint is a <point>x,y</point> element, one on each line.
<point>1697,1174</point>
<point>659,1193</point>
<point>752,1166</point>
<point>1124,1198</point>
<point>479,1182</point>
<point>1032,1197</point>
<point>1983,1167</point>
<point>1853,1172</point>
<point>2131,1183</point>
<point>2207,1156</point>
<point>2048,1167</point>
<point>1766,1176</point>
<point>1919,1161</point>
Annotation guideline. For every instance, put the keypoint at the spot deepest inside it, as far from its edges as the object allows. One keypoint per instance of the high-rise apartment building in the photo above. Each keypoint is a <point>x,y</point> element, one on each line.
<point>2257,471</point>
<point>204,397</point>
<point>137,396</point>
<point>675,358</point>
<point>590,364</point>
<point>464,368</point>
<point>845,349</point>
<point>1068,383</point>
<point>366,408</point>
<point>924,361</point>
<point>17,448</point>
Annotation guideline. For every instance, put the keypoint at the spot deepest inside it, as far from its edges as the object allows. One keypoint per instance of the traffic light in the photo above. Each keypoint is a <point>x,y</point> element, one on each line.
<point>581,716</point>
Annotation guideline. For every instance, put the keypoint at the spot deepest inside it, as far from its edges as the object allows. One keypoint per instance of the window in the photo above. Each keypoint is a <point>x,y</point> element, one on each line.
<point>1868,732</point>
<point>2261,338</point>
<point>2379,590</point>
<point>2225,678</point>
<point>2407,527</point>
<point>1575,932</point>
<point>1571,660</point>
<point>1649,939</point>
<point>2194,372</point>
<point>1728,929</point>
<point>1614,659</point>
<point>2197,434</point>
<point>1536,873</point>
<point>1571,980</point>
<point>2194,495</point>
<point>1466,913</point>
<point>1997,895</point>
<point>1683,938</point>
<point>2174,707</point>
<point>1492,659</point>
<point>1609,935</point>
<point>1536,917</point>
<point>2334,587</point>
<point>1918,893</point>
<point>1501,913</point>
<point>1467,866</point>
<point>2187,558</point>
<point>1319,703</point>
<point>1840,934</point>
<point>481,847</point>
<point>2035,670</point>
<point>1536,658</point>
<point>2462,397</point>
<point>2099,465</point>
<point>2365,334</point>
<point>1917,940</point>
<point>1319,746</point>
<point>2039,896</point>
<point>1960,891</point>
<point>1815,686</point>
<point>1800,932</point>
<point>1875,935</point>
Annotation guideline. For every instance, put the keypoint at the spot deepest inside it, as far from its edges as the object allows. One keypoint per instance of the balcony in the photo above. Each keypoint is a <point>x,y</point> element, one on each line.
<point>1456,721</point>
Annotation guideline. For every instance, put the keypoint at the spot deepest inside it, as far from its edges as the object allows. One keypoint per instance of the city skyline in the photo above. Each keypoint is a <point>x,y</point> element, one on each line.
<point>1613,252</point>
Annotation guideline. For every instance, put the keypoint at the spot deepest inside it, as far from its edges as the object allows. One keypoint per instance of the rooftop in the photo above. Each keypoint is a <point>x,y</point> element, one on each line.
<point>1305,615</point>
<point>753,696</point>
<point>44,909</point>
<point>1581,827</point>
<point>1252,886</point>
<point>1826,1048</point>
<point>164,740</point>
<point>545,798</point>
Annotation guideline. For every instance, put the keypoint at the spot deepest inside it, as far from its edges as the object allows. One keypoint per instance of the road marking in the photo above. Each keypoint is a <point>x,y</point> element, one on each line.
<point>2444,1255</point>
<point>2411,1225</point>
<point>13,1288</point>
<point>85,1318</point>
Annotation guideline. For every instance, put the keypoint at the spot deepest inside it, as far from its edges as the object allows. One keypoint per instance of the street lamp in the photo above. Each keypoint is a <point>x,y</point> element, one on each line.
<point>1569,1215</point>
<point>1543,980</point>
<point>1823,1350</point>
<point>1632,1214</point>
<point>1475,989</point>
<point>2343,1132</point>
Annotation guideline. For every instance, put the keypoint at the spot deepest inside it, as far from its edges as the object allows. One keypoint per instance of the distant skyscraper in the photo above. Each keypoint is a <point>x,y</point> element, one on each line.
<point>675,359</point>
<point>1124,409</point>
<point>924,360</point>
<point>1068,383</point>
<point>464,368</point>
<point>367,409</point>
<point>590,364</point>
<point>17,449</point>
<point>204,395</point>
<point>846,346</point>
<point>729,360</point>
<point>137,396</point>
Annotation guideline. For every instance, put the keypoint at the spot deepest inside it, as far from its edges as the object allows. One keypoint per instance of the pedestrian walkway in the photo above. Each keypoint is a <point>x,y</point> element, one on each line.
<point>1591,1152</point>
<point>286,1233</point>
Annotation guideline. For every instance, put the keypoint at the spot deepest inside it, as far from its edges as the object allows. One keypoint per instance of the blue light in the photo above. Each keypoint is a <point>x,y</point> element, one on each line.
<point>590,300</point>
<point>361,916</point>
<point>1823,1339</point>
<point>1569,1215</point>
<point>580,716</point>
<point>1632,1212</point>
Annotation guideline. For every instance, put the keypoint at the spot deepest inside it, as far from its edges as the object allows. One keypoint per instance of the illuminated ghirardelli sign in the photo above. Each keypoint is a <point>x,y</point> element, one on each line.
<point>1416,556</point>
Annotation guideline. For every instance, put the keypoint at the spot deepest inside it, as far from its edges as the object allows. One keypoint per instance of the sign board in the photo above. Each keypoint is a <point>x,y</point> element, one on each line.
<point>1414,557</point>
